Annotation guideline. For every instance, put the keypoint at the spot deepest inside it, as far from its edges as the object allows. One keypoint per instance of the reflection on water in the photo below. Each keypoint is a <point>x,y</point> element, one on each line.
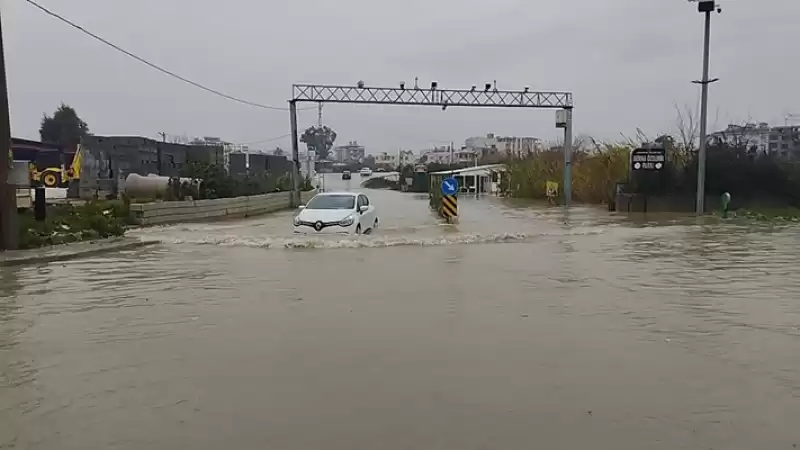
<point>562,330</point>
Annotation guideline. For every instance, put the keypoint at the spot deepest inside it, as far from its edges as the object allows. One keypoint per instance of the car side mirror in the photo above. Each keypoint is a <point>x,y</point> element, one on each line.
<point>301,207</point>
<point>363,209</point>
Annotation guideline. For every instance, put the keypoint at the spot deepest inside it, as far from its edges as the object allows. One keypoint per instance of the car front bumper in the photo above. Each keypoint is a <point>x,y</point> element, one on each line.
<point>330,230</point>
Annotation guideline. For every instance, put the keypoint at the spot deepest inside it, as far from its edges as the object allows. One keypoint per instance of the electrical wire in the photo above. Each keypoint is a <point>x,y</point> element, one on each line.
<point>155,66</point>
<point>262,141</point>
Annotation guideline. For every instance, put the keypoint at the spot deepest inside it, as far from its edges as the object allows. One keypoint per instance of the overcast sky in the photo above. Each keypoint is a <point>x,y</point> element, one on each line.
<point>626,61</point>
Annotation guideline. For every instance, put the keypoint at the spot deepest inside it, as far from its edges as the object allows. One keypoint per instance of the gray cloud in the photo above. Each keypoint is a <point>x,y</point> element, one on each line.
<point>627,62</point>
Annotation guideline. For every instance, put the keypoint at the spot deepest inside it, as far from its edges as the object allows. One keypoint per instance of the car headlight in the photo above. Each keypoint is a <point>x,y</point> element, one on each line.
<point>296,220</point>
<point>347,221</point>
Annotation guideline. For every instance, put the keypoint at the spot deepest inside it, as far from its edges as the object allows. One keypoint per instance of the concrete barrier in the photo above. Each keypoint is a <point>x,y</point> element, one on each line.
<point>198,210</point>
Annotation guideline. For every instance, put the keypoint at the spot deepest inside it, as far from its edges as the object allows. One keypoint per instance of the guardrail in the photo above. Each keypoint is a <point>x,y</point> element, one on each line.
<point>158,213</point>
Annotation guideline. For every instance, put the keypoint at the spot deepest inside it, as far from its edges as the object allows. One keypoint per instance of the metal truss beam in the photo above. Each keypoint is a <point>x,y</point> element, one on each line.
<point>430,97</point>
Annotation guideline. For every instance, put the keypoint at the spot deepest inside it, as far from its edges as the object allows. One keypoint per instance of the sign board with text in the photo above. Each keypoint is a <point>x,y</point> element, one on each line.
<point>648,159</point>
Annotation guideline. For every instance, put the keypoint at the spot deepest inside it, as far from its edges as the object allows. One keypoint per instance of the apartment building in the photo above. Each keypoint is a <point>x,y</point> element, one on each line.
<point>352,152</point>
<point>784,141</point>
<point>507,145</point>
<point>780,141</point>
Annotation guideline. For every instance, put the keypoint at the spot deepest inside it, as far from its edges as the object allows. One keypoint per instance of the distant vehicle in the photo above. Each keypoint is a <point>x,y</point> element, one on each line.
<point>60,176</point>
<point>346,175</point>
<point>380,169</point>
<point>336,213</point>
<point>366,172</point>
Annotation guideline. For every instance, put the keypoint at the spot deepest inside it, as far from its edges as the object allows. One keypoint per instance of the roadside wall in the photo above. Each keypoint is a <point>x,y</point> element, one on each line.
<point>639,203</point>
<point>200,210</point>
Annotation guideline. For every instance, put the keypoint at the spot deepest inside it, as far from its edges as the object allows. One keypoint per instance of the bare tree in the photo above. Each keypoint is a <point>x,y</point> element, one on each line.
<point>581,142</point>
<point>688,128</point>
<point>640,138</point>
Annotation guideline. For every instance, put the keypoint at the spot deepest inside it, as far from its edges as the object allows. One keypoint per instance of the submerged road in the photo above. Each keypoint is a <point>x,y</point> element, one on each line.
<point>521,327</point>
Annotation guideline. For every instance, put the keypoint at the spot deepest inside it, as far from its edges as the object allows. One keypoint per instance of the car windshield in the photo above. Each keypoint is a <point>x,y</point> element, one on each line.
<point>332,202</point>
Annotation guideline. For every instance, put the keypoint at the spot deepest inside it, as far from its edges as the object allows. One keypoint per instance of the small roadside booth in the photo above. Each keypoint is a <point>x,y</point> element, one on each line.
<point>475,180</point>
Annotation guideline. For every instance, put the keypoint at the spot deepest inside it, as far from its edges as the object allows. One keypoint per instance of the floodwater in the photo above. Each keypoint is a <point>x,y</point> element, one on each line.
<point>521,327</point>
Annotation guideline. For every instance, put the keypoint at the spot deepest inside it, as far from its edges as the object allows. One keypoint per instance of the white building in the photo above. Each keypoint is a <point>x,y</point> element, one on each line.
<point>352,152</point>
<point>785,141</point>
<point>438,155</point>
<point>466,156</point>
<point>385,159</point>
<point>507,145</point>
<point>519,146</point>
<point>750,135</point>
<point>481,142</point>
<point>780,141</point>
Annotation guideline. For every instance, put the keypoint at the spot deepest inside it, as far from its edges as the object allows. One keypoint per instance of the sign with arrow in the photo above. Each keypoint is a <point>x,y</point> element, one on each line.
<point>449,186</point>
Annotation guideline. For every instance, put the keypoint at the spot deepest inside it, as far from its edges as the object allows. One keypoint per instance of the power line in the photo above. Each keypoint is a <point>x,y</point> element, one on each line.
<point>262,141</point>
<point>152,65</point>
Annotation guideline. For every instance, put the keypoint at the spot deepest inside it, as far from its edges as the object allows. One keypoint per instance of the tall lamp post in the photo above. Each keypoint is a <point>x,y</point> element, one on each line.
<point>705,7</point>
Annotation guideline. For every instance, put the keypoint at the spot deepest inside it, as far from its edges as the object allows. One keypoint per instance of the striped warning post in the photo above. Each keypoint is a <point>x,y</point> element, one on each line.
<point>449,206</point>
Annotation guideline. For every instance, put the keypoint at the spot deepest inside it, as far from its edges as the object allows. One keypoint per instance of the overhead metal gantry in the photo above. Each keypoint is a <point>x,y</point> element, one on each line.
<point>486,97</point>
<point>431,97</point>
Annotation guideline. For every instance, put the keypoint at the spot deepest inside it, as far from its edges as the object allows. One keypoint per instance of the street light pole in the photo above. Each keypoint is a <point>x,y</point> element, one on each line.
<point>706,7</point>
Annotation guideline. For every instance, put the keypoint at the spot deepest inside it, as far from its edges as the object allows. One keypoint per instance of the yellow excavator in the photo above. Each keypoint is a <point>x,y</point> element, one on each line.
<point>54,177</point>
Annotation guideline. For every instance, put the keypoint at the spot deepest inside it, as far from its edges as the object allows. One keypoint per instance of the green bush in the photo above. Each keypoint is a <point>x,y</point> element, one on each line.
<point>742,173</point>
<point>217,183</point>
<point>72,223</point>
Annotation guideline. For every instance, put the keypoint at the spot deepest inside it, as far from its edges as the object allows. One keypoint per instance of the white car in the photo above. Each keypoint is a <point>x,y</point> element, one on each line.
<point>366,172</point>
<point>336,213</point>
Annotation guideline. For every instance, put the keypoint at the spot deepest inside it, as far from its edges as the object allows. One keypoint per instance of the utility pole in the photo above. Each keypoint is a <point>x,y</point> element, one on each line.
<point>568,159</point>
<point>160,153</point>
<point>9,232</point>
<point>477,183</point>
<point>705,7</point>
<point>295,198</point>
<point>564,120</point>
<point>452,149</point>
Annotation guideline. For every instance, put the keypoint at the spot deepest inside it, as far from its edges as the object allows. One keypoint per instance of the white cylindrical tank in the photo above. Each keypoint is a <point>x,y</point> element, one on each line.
<point>151,186</point>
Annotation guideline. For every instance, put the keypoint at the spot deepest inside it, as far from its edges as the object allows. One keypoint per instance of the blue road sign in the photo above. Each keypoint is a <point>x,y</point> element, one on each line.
<point>449,186</point>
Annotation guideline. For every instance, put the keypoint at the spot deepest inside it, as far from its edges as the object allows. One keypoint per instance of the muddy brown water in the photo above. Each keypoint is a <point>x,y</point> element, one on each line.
<point>522,327</point>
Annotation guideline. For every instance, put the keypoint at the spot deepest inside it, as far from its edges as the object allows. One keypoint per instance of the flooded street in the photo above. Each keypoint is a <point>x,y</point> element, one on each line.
<point>521,327</point>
